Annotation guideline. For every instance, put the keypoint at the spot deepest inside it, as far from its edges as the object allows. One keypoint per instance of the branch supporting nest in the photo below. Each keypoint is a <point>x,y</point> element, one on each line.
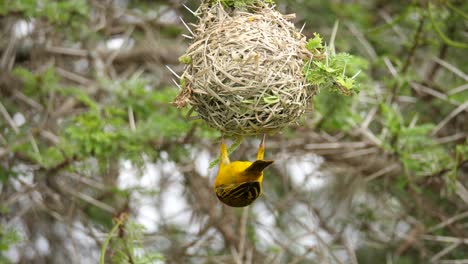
<point>245,71</point>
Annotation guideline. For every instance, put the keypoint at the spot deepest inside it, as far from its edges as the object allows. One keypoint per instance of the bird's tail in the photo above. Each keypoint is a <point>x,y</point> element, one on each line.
<point>258,166</point>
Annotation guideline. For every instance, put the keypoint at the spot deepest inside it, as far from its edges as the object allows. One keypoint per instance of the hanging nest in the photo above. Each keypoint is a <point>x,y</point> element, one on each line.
<point>245,70</point>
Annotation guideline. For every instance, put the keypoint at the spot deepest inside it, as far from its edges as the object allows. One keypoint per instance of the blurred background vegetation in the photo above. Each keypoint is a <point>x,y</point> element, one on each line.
<point>96,165</point>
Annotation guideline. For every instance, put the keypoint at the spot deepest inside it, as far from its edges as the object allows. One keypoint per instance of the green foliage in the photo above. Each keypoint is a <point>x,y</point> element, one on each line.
<point>104,130</point>
<point>126,240</point>
<point>332,71</point>
<point>8,238</point>
<point>315,43</point>
<point>28,7</point>
<point>185,59</point>
<point>461,155</point>
<point>96,133</point>
<point>435,25</point>
<point>38,85</point>
<point>238,141</point>
<point>99,217</point>
<point>417,150</point>
<point>336,76</point>
<point>420,154</point>
<point>334,111</point>
<point>365,214</point>
<point>5,174</point>
<point>462,151</point>
<point>79,95</point>
<point>58,12</point>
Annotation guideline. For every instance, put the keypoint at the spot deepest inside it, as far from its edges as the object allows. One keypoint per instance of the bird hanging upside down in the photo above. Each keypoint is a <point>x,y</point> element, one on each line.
<point>239,183</point>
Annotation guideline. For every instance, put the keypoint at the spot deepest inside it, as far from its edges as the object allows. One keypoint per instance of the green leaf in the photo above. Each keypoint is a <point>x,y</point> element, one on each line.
<point>8,238</point>
<point>346,82</point>
<point>185,59</point>
<point>271,99</point>
<point>324,67</point>
<point>315,43</point>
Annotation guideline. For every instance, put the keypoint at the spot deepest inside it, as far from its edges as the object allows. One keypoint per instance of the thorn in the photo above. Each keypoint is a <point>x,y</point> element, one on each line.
<point>333,36</point>
<point>173,72</point>
<point>326,56</point>
<point>190,10</point>
<point>187,36</point>
<point>344,70</point>
<point>302,28</point>
<point>309,64</point>
<point>186,26</point>
<point>356,75</point>
<point>178,85</point>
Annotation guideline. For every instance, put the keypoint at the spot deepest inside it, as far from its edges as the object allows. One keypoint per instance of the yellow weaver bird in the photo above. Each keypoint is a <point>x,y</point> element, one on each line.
<point>239,183</point>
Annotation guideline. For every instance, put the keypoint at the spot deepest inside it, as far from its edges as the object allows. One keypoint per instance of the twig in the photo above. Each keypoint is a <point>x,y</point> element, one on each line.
<point>381,172</point>
<point>449,221</point>
<point>422,88</point>
<point>300,258</point>
<point>361,152</point>
<point>391,68</point>
<point>335,145</point>
<point>89,199</point>
<point>444,252</point>
<point>131,119</point>
<point>3,152</point>
<point>451,138</point>
<point>242,231</point>
<point>33,142</point>
<point>412,50</point>
<point>50,136</point>
<point>235,255</point>
<point>454,113</point>
<point>349,250</point>
<point>445,239</point>
<point>88,181</point>
<point>453,261</point>
<point>370,116</point>
<point>73,76</point>
<point>370,136</point>
<point>442,53</point>
<point>452,68</point>
<point>8,56</point>
<point>362,39</point>
<point>28,100</point>
<point>458,89</point>
<point>67,51</point>
<point>462,192</point>
<point>393,23</point>
<point>8,118</point>
<point>409,240</point>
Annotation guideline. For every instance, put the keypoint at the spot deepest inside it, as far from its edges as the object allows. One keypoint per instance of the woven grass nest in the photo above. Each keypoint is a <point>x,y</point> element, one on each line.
<point>245,70</point>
